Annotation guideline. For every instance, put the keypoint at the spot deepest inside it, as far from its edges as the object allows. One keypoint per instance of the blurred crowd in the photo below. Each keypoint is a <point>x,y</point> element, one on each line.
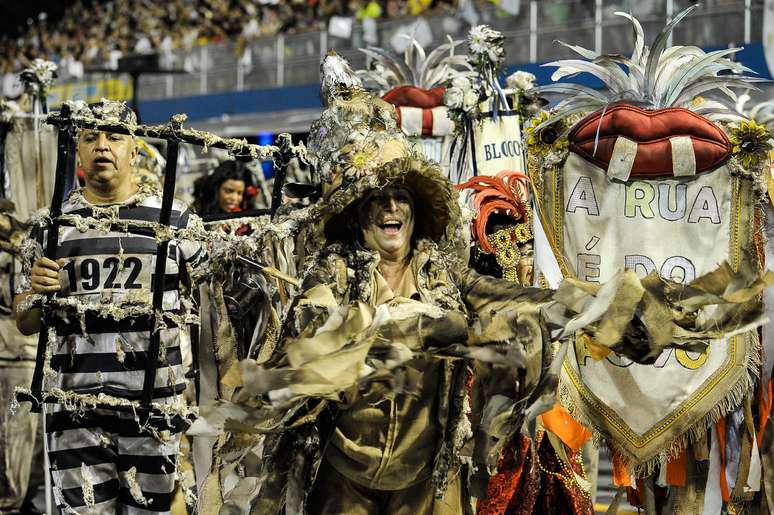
<point>97,33</point>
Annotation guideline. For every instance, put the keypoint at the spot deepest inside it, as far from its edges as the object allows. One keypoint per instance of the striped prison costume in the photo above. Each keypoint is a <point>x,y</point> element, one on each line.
<point>104,462</point>
<point>92,455</point>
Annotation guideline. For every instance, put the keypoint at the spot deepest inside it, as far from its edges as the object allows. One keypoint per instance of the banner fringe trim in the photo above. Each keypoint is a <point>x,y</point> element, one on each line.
<point>694,433</point>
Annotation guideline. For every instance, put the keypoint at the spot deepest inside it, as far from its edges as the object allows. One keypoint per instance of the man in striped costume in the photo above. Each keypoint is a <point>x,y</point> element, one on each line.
<point>107,460</point>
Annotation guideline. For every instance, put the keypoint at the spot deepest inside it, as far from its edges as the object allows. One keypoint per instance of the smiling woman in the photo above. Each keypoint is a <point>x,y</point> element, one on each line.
<point>229,188</point>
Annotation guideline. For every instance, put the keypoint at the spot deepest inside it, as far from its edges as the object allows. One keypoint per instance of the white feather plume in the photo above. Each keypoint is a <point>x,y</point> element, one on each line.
<point>416,68</point>
<point>653,77</point>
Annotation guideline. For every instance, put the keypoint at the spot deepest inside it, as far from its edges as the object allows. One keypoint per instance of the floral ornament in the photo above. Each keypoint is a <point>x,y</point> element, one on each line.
<point>751,143</point>
<point>453,98</point>
<point>486,54</point>
<point>362,159</point>
<point>462,97</point>
<point>463,94</point>
<point>351,116</point>
<point>541,140</point>
<point>359,158</point>
<point>486,48</point>
<point>520,81</point>
<point>39,77</point>
<point>527,101</point>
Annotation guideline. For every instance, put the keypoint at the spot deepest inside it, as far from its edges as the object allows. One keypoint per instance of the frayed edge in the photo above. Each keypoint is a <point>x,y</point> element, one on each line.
<point>187,484</point>
<point>87,486</point>
<point>80,403</point>
<point>696,432</point>
<point>120,352</point>
<point>134,487</point>
<point>64,506</point>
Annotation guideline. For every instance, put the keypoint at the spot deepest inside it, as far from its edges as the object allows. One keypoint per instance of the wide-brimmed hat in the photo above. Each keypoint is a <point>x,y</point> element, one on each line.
<point>356,146</point>
<point>436,205</point>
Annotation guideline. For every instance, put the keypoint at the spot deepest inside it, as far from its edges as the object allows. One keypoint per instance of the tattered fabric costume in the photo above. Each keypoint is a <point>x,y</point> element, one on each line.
<point>364,401</point>
<point>95,355</point>
<point>106,459</point>
<point>529,478</point>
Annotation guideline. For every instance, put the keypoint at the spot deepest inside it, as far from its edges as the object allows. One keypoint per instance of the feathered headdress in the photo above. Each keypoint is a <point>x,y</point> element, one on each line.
<point>652,77</point>
<point>505,194</point>
<point>417,68</point>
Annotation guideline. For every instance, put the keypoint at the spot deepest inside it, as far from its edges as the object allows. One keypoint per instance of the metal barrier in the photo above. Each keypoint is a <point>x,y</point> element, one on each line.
<point>293,59</point>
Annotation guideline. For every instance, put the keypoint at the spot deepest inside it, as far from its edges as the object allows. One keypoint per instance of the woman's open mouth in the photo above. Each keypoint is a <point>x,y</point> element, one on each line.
<point>391,227</point>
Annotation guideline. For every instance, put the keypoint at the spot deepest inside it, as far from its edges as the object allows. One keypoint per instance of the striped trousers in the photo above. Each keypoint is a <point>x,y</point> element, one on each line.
<point>103,462</point>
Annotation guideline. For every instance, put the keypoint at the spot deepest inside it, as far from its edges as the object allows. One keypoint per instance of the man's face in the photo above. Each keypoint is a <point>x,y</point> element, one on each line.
<point>106,158</point>
<point>386,218</point>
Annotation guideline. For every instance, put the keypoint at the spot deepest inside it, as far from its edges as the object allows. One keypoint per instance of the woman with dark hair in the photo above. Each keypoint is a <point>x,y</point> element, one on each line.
<point>229,188</point>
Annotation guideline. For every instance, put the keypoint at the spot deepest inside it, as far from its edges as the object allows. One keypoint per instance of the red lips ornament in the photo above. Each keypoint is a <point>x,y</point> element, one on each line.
<point>651,130</point>
<point>412,96</point>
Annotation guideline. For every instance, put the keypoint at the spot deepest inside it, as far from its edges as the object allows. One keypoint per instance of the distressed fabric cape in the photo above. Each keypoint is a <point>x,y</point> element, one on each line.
<point>498,311</point>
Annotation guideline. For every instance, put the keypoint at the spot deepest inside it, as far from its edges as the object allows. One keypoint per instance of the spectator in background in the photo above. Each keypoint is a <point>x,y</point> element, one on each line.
<point>99,33</point>
<point>416,7</point>
<point>228,189</point>
<point>372,9</point>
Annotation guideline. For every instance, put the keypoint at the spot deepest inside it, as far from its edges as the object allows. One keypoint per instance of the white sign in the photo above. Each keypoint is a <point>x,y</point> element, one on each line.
<point>435,149</point>
<point>498,145</point>
<point>682,228</point>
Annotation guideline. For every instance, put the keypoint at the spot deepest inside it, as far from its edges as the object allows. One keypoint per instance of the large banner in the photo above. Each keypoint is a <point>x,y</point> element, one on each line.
<point>681,227</point>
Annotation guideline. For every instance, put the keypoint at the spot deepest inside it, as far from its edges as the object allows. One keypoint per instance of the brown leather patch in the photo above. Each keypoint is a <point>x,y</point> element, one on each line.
<point>412,96</point>
<point>651,129</point>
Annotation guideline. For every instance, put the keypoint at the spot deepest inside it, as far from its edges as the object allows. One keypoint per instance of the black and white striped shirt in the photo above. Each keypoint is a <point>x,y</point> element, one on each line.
<point>101,355</point>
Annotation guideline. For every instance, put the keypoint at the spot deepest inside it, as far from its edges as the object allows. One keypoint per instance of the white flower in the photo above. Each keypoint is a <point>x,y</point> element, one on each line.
<point>477,39</point>
<point>520,80</point>
<point>45,70</point>
<point>453,97</point>
<point>483,40</point>
<point>470,100</point>
<point>495,53</point>
<point>462,83</point>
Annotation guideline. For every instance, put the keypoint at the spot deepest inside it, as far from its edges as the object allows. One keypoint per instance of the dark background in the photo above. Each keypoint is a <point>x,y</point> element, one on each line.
<point>14,13</point>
